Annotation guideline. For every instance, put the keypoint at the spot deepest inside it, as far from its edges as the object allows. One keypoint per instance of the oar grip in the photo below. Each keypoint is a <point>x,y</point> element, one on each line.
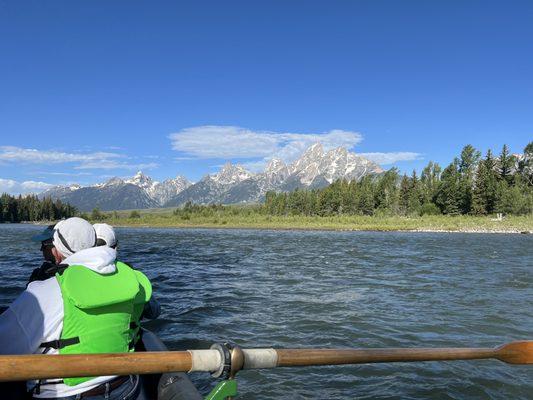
<point>205,360</point>
<point>260,358</point>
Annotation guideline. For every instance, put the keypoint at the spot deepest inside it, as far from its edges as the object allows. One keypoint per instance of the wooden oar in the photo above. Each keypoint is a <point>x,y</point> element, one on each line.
<point>25,367</point>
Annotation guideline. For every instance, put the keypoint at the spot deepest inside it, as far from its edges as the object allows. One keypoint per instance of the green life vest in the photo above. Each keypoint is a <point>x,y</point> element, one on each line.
<point>101,312</point>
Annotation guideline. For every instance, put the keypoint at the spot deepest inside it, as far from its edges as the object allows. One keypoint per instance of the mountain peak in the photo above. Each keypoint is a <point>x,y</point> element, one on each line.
<point>141,180</point>
<point>113,181</point>
<point>340,151</point>
<point>230,174</point>
<point>309,159</point>
<point>274,165</point>
<point>314,149</point>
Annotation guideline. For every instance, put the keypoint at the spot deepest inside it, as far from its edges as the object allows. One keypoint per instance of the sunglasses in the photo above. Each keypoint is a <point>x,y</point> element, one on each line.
<point>47,244</point>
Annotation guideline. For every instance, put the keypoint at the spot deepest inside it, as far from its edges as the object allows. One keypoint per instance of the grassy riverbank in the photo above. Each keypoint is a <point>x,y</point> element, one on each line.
<point>252,218</point>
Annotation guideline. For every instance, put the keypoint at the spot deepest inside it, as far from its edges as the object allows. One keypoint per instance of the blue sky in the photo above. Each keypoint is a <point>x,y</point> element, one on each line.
<point>90,90</point>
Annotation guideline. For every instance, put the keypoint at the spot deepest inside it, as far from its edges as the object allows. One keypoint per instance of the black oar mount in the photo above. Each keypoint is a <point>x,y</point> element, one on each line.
<point>232,360</point>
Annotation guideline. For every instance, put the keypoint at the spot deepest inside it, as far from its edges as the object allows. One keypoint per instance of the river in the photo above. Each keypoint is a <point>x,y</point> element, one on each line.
<point>331,289</point>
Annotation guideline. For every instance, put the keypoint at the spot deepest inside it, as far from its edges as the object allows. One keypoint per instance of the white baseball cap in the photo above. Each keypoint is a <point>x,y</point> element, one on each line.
<point>105,235</point>
<point>72,235</point>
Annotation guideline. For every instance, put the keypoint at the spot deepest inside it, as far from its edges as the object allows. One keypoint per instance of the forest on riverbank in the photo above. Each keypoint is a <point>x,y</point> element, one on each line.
<point>30,208</point>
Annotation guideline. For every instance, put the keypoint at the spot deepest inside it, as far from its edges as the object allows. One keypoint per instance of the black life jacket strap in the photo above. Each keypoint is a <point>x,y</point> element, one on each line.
<point>60,343</point>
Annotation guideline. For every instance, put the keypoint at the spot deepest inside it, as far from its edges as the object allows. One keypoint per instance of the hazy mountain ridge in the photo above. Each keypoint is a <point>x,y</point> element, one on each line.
<point>139,191</point>
<point>232,184</point>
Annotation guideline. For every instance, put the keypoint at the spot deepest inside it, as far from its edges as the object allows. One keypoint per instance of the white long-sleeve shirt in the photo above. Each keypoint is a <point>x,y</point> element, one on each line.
<point>36,316</point>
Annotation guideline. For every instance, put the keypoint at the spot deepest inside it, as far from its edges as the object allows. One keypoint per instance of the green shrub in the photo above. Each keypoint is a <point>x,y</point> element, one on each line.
<point>135,214</point>
<point>429,209</point>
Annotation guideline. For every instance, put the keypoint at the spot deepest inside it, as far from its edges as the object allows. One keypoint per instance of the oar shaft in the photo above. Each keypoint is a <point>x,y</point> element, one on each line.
<point>20,368</point>
<point>297,357</point>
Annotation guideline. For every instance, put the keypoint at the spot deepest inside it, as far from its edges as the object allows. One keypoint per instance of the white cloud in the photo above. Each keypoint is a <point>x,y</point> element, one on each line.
<point>227,142</point>
<point>13,187</point>
<point>112,164</point>
<point>255,166</point>
<point>64,173</point>
<point>34,156</point>
<point>94,160</point>
<point>393,157</point>
<point>231,142</point>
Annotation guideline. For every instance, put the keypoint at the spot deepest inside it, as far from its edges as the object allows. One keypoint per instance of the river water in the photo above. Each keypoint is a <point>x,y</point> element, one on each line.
<point>298,289</point>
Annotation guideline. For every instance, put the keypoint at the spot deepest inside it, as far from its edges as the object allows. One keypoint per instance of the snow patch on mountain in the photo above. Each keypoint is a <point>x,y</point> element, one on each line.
<point>231,174</point>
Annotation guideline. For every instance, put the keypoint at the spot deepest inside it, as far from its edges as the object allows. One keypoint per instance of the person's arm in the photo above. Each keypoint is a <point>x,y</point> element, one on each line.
<point>152,309</point>
<point>18,334</point>
<point>35,315</point>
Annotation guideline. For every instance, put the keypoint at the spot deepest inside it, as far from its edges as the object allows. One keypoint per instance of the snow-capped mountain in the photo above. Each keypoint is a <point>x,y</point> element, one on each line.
<point>139,191</point>
<point>232,184</point>
<point>314,169</point>
<point>58,192</point>
<point>169,188</point>
<point>211,188</point>
<point>231,174</point>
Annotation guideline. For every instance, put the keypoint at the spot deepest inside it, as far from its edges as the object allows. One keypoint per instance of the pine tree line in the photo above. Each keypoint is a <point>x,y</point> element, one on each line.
<point>30,208</point>
<point>469,185</point>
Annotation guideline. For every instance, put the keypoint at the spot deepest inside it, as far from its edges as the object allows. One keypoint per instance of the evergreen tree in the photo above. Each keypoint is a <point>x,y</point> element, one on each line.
<point>414,201</point>
<point>405,188</point>
<point>350,198</point>
<point>387,194</point>
<point>430,181</point>
<point>467,167</point>
<point>449,196</point>
<point>506,165</point>
<point>366,204</point>
<point>486,186</point>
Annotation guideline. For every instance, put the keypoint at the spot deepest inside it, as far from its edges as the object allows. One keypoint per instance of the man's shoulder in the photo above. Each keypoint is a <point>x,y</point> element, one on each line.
<point>46,287</point>
<point>40,296</point>
<point>46,270</point>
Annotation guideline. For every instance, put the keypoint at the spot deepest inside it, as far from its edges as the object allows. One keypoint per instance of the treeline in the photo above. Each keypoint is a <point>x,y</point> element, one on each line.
<point>30,208</point>
<point>471,184</point>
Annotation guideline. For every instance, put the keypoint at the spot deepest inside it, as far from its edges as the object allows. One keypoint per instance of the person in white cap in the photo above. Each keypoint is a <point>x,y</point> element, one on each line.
<point>105,235</point>
<point>73,313</point>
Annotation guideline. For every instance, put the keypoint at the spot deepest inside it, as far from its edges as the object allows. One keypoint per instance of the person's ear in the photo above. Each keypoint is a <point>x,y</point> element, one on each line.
<point>57,255</point>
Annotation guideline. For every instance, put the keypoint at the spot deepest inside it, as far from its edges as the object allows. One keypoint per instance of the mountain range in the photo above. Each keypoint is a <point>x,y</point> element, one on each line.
<point>233,184</point>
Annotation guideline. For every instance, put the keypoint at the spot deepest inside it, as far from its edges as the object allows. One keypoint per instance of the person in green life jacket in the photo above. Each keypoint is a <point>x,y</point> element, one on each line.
<point>106,236</point>
<point>87,307</point>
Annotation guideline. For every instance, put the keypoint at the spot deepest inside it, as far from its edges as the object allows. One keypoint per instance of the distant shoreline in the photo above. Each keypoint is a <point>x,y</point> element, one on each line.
<point>266,228</point>
<point>273,228</point>
<point>343,223</point>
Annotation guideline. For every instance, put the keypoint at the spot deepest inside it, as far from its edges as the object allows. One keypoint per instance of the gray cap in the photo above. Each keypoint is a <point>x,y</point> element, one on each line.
<point>45,235</point>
